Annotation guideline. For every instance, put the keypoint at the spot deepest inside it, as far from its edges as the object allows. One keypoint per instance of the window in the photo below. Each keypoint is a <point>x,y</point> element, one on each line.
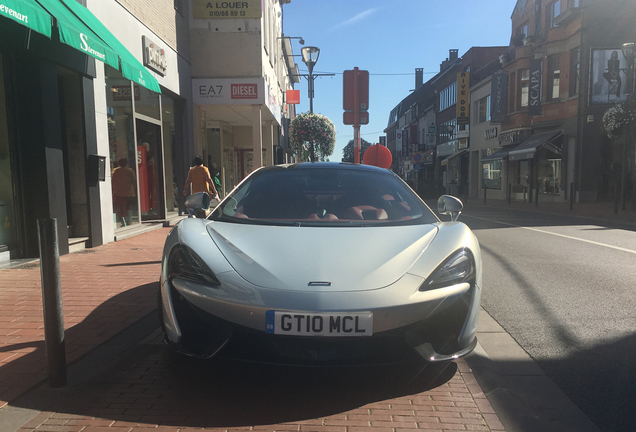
<point>513,92</point>
<point>482,110</point>
<point>573,3</point>
<point>448,96</point>
<point>523,30</point>
<point>575,66</point>
<point>524,86</point>
<point>491,174</point>
<point>552,11</point>
<point>554,77</point>
<point>447,131</point>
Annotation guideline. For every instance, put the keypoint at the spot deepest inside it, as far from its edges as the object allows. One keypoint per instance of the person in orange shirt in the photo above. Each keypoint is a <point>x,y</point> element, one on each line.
<point>124,185</point>
<point>200,180</point>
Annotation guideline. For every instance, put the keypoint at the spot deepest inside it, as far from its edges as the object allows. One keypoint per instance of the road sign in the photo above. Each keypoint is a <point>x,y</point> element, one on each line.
<point>417,157</point>
<point>348,84</point>
<point>348,117</point>
<point>292,97</point>
<point>417,167</point>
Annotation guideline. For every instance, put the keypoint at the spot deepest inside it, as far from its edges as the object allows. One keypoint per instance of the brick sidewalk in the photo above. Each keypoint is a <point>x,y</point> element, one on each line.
<point>104,290</point>
<point>107,289</point>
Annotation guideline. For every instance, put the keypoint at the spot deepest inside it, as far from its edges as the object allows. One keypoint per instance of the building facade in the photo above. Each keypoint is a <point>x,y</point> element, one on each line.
<point>241,67</point>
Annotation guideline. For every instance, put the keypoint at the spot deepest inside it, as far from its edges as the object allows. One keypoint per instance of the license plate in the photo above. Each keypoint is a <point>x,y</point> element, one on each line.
<point>319,324</point>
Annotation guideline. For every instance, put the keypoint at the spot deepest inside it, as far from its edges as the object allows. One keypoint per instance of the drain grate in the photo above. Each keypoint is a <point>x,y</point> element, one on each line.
<point>136,248</point>
<point>85,251</point>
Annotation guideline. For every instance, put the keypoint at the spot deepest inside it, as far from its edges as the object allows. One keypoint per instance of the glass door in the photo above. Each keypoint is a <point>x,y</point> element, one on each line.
<point>8,222</point>
<point>149,167</point>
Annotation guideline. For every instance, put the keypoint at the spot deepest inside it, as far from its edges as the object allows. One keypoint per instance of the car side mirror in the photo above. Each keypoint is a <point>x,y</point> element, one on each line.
<point>449,205</point>
<point>197,201</point>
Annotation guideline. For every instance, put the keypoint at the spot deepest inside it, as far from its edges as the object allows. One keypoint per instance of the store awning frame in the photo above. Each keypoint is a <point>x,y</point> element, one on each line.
<point>131,68</point>
<point>27,13</point>
<point>457,153</point>
<point>528,148</point>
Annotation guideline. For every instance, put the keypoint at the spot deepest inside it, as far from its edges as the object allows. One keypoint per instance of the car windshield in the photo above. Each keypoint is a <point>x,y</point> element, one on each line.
<point>333,195</point>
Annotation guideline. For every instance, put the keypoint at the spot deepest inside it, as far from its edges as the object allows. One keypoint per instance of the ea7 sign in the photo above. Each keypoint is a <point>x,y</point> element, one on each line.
<point>463,84</point>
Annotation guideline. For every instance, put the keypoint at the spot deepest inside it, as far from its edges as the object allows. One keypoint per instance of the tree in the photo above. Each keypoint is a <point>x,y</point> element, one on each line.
<point>347,151</point>
<point>315,132</point>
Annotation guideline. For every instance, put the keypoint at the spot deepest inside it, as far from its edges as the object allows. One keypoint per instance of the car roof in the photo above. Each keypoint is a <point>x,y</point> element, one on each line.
<point>329,165</point>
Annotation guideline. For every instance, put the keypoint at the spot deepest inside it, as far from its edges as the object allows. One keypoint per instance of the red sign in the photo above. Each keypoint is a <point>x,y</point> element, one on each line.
<point>244,91</point>
<point>292,97</point>
<point>349,117</point>
<point>348,82</point>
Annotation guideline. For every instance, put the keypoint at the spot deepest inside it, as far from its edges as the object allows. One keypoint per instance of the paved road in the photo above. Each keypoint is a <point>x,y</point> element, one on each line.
<point>565,290</point>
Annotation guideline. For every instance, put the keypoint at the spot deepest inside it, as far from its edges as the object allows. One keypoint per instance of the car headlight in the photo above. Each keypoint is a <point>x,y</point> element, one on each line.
<point>458,268</point>
<point>186,264</point>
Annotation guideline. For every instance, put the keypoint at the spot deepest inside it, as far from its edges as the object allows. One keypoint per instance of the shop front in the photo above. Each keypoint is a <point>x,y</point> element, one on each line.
<point>535,167</point>
<point>241,126</point>
<point>50,164</point>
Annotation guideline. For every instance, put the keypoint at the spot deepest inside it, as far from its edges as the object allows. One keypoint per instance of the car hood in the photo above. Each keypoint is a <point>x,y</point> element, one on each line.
<point>338,258</point>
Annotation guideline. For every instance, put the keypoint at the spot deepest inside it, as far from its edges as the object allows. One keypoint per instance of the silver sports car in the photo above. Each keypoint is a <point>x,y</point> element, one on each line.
<point>322,263</point>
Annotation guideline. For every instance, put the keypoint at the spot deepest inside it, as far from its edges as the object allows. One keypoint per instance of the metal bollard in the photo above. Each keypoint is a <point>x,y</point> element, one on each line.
<point>536,195</point>
<point>571,196</point>
<point>52,301</point>
<point>509,193</point>
<point>485,189</point>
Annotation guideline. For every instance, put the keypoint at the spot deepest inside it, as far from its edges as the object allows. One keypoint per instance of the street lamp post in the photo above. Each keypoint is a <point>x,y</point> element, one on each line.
<point>310,57</point>
<point>629,51</point>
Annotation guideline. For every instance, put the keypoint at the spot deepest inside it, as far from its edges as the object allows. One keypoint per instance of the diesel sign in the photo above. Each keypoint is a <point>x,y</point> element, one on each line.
<point>244,91</point>
<point>154,57</point>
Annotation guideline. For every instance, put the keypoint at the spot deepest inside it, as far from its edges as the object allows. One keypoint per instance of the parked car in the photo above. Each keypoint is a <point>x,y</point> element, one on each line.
<point>322,263</point>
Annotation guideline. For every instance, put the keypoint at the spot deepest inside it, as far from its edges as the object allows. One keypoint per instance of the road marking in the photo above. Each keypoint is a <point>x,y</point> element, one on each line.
<point>555,234</point>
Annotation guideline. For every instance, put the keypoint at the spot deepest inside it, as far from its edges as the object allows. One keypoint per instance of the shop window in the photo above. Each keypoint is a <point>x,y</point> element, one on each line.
<point>575,66</point>
<point>122,151</point>
<point>147,103</point>
<point>554,77</point>
<point>491,174</point>
<point>8,221</point>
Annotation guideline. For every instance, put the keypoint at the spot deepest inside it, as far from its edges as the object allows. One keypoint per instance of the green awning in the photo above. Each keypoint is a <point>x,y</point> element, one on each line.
<point>130,66</point>
<point>28,13</point>
<point>76,34</point>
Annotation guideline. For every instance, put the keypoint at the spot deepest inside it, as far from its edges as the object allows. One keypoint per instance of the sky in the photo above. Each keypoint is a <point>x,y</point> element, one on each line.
<point>390,39</point>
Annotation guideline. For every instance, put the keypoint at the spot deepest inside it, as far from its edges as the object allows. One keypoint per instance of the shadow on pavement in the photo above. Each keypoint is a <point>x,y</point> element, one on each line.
<point>128,381</point>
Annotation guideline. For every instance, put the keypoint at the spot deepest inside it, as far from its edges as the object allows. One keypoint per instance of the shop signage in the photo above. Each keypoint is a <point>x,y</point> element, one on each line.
<point>490,133</point>
<point>462,143</point>
<point>498,97</point>
<point>514,137</point>
<point>463,82</point>
<point>228,91</point>
<point>463,134</point>
<point>154,56</point>
<point>398,140</point>
<point>292,97</point>
<point>244,91</point>
<point>431,129</point>
<point>534,92</point>
<point>203,9</point>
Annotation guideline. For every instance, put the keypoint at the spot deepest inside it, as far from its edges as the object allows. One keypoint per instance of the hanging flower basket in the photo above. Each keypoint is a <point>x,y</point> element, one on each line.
<point>314,130</point>
<point>618,117</point>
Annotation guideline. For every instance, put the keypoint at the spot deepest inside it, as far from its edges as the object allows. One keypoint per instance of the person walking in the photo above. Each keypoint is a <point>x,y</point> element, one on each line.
<point>200,180</point>
<point>124,184</point>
